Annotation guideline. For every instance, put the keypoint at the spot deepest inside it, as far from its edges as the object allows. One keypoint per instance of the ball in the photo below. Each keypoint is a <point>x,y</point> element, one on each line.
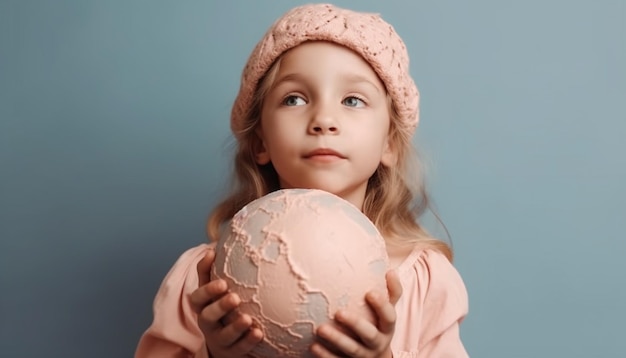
<point>296,256</point>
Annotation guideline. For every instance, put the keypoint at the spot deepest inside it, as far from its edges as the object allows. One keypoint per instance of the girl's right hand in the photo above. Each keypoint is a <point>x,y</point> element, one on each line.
<point>212,302</point>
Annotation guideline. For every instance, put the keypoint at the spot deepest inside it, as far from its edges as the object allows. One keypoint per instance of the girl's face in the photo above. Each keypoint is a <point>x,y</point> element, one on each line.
<point>325,121</point>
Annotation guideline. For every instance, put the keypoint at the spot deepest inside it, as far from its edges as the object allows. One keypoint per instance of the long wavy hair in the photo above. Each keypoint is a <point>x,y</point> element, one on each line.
<point>395,198</point>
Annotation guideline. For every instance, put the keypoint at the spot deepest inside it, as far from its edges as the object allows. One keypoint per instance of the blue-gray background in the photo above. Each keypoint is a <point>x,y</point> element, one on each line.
<point>114,144</point>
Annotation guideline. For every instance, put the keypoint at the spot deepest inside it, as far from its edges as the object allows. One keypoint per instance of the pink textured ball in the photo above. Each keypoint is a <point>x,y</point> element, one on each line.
<point>295,257</point>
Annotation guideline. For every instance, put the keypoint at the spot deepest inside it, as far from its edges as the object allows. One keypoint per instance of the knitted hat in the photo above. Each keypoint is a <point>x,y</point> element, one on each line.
<point>366,34</point>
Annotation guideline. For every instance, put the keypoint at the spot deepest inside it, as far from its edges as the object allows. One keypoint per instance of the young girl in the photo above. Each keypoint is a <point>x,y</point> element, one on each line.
<point>326,102</point>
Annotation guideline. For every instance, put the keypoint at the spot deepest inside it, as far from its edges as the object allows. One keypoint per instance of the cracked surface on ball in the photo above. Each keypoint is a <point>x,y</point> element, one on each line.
<point>295,257</point>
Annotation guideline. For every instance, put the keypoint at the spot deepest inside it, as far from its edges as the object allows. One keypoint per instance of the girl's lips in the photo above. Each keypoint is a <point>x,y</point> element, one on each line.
<point>323,152</point>
<point>324,155</point>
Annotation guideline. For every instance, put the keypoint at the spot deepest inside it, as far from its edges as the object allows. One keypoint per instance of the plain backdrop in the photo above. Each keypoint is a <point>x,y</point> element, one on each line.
<point>114,146</point>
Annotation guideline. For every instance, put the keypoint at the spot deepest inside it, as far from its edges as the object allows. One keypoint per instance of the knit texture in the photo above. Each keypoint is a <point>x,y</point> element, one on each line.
<point>365,33</point>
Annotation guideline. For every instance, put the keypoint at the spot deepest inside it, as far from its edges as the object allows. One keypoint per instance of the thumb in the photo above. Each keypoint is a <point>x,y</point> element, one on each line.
<point>394,287</point>
<point>204,267</point>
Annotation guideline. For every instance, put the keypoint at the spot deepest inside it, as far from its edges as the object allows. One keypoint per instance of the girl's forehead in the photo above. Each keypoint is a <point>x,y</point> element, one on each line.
<point>324,59</point>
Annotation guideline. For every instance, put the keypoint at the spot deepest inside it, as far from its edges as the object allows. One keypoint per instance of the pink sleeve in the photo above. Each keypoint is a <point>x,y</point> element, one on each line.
<point>174,330</point>
<point>433,304</point>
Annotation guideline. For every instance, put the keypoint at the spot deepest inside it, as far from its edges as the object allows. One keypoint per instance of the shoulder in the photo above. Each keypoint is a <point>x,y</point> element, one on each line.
<point>428,275</point>
<point>183,276</point>
<point>433,304</point>
<point>174,331</point>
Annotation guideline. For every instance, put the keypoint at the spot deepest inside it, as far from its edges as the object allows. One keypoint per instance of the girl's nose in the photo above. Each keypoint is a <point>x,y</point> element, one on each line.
<point>323,122</point>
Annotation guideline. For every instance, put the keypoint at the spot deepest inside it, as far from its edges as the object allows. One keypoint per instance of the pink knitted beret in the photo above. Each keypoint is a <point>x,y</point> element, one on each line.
<point>366,34</point>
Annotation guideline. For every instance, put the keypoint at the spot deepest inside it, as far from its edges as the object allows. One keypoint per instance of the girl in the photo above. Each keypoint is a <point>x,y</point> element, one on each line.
<point>326,102</point>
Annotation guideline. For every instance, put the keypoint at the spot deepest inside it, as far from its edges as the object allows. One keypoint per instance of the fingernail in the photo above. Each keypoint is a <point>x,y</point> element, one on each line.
<point>339,314</point>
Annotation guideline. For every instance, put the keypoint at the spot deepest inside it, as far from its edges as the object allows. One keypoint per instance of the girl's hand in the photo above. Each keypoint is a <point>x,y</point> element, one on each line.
<point>214,304</point>
<point>373,341</point>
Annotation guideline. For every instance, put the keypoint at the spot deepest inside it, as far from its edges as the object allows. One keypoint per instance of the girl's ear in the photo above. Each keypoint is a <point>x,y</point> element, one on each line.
<point>389,157</point>
<point>262,156</point>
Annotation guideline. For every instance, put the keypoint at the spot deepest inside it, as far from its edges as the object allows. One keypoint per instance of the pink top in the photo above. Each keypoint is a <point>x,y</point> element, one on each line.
<point>433,304</point>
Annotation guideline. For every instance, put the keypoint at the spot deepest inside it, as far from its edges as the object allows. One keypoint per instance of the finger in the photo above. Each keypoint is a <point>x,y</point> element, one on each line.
<point>360,327</point>
<point>207,293</point>
<point>230,317</point>
<point>394,287</point>
<point>321,351</point>
<point>209,318</point>
<point>204,267</point>
<point>244,345</point>
<point>235,331</point>
<point>341,341</point>
<point>384,310</point>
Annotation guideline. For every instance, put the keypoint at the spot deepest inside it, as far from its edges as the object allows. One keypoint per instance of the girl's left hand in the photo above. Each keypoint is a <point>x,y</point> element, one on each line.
<point>373,340</point>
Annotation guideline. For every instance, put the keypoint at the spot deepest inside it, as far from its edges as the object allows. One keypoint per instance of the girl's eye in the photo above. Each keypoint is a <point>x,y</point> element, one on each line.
<point>353,101</point>
<point>293,100</point>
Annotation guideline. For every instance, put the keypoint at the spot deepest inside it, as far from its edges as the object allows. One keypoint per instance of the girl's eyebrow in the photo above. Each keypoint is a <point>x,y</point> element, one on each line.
<point>351,78</point>
<point>290,77</point>
<point>354,78</point>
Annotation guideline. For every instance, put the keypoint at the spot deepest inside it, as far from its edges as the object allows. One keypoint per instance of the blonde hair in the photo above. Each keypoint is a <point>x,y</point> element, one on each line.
<point>394,200</point>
